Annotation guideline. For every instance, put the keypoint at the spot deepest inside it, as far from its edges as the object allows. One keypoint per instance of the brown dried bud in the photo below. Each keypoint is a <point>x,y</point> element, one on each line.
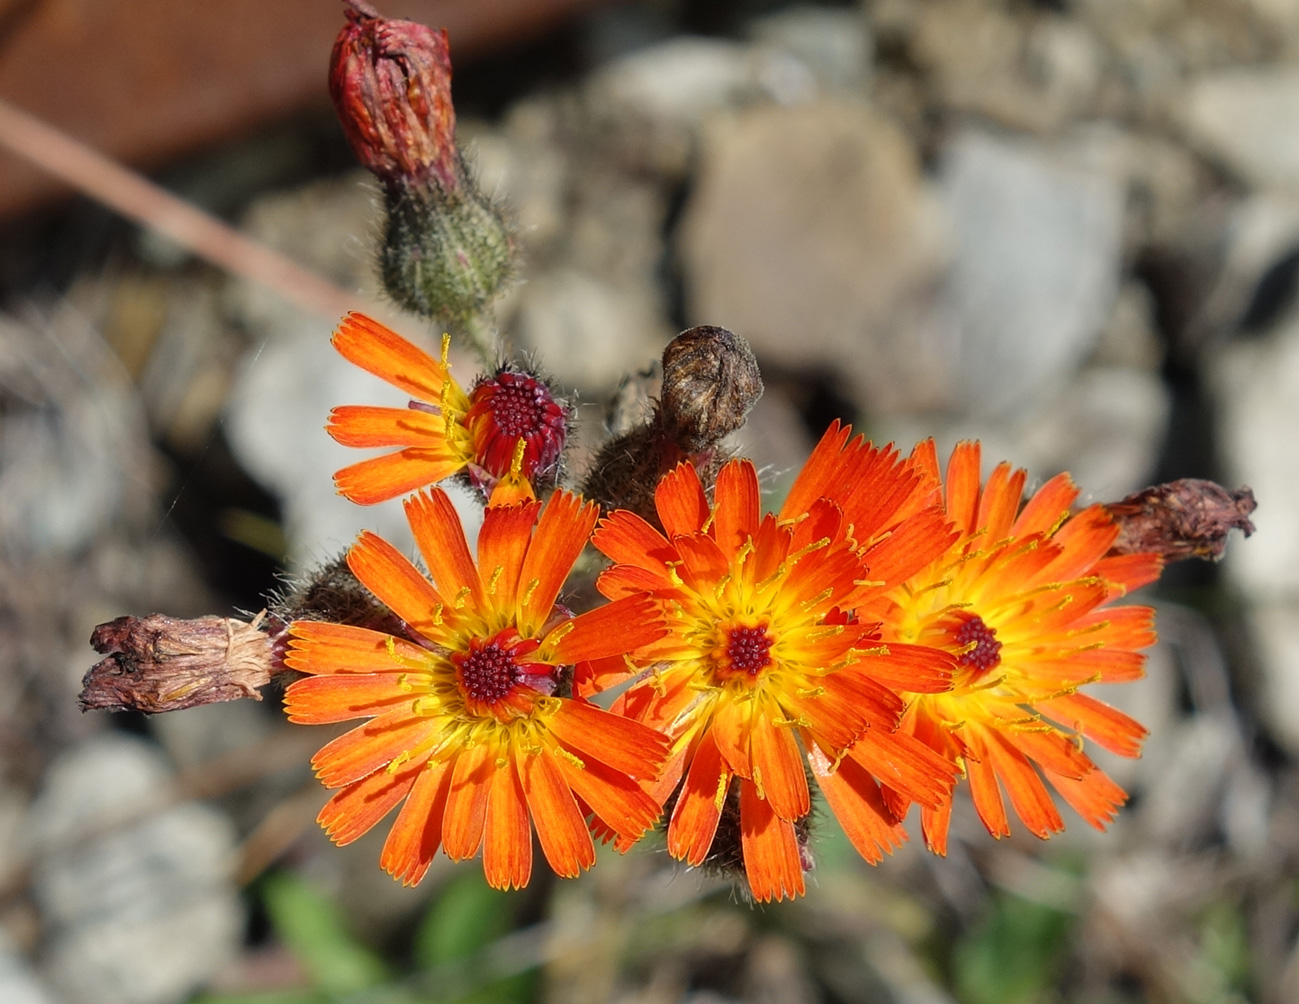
<point>710,383</point>
<point>1189,518</point>
<point>158,663</point>
<point>391,85</point>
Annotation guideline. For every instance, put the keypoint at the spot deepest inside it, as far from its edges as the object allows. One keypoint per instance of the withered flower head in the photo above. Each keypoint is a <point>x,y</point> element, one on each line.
<point>391,84</point>
<point>710,383</point>
<point>1187,518</point>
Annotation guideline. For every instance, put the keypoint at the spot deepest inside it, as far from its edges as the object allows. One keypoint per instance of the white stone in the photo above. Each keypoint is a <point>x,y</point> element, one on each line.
<point>1247,118</point>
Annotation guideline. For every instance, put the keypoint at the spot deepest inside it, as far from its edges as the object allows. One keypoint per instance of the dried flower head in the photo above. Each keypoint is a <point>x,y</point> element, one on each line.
<point>1189,518</point>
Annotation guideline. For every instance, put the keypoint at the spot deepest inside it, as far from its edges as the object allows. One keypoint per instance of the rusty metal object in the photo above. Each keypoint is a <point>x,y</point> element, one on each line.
<point>151,79</point>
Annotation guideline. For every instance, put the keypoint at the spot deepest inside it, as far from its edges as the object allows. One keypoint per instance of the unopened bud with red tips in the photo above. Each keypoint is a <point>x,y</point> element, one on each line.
<point>447,249</point>
<point>518,428</point>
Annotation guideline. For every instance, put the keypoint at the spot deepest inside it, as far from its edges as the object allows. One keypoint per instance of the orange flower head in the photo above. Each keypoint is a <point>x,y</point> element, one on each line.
<point>762,669</point>
<point>464,723</point>
<point>1022,599</point>
<point>507,436</point>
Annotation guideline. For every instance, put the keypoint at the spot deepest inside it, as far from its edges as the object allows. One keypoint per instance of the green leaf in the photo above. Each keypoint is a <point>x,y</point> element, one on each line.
<point>1012,955</point>
<point>312,927</point>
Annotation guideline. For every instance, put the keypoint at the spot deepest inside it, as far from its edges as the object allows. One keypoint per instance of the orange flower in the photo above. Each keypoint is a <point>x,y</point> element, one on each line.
<point>1022,600</point>
<point>761,659</point>
<point>464,724</point>
<point>507,434</point>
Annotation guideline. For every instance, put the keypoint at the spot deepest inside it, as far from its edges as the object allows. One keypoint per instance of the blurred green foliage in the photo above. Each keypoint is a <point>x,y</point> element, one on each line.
<point>1012,955</point>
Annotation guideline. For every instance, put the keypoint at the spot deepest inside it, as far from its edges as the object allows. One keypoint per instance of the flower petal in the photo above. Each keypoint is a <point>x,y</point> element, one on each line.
<point>561,828</point>
<point>962,484</point>
<point>381,351</point>
<point>771,860</point>
<point>627,539</point>
<point>507,835</point>
<point>822,473</point>
<point>778,769</point>
<point>321,647</point>
<point>397,583</point>
<point>1102,724</point>
<point>617,628</point>
<point>680,501</point>
<point>1000,502</point>
<point>1095,796</point>
<point>466,809</point>
<point>854,798</point>
<point>1027,793</point>
<point>736,516</point>
<point>699,804</point>
<point>366,426</point>
<point>415,835</point>
<point>606,738</point>
<point>371,746</point>
<point>502,546</point>
<point>320,700</point>
<point>616,800</point>
<point>1047,508</point>
<point>441,540</point>
<point>906,765</point>
<point>382,478</point>
<point>356,809</point>
<point>562,531</point>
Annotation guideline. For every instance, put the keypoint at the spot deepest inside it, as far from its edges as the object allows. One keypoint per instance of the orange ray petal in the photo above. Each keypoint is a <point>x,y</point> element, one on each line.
<point>703,563</point>
<point>962,484</point>
<point>1000,502</point>
<point>1047,507</point>
<point>616,800</point>
<point>371,746</point>
<point>416,833</point>
<point>620,743</point>
<point>680,501</point>
<point>622,626</point>
<point>622,581</point>
<point>381,351</point>
<point>353,811</point>
<point>854,798</point>
<point>1130,571</point>
<point>934,824</point>
<point>502,546</point>
<point>736,516</point>
<point>466,809</point>
<point>909,548</point>
<point>771,860</point>
<point>382,478</point>
<point>627,539</point>
<point>821,474</point>
<point>699,804</point>
<point>507,835</point>
<point>875,702</point>
<point>1102,724</point>
<point>985,790</point>
<point>911,669</point>
<point>397,583</point>
<point>778,769</point>
<point>1095,797</point>
<point>562,531</point>
<point>366,426</point>
<point>561,828</point>
<point>319,700</point>
<point>924,457</point>
<point>1028,794</point>
<point>731,729</point>
<point>1049,748</point>
<point>905,764</point>
<point>321,647</point>
<point>441,540</point>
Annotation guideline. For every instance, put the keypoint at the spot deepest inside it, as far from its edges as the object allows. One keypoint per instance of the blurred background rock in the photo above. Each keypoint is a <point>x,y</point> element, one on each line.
<point>1068,228</point>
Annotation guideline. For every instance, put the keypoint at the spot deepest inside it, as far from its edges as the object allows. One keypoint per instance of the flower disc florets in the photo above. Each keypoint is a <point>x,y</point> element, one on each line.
<point>509,407</point>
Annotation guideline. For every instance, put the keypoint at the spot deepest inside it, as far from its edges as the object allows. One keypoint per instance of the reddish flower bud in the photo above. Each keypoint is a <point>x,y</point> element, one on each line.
<point>509,407</point>
<point>391,84</point>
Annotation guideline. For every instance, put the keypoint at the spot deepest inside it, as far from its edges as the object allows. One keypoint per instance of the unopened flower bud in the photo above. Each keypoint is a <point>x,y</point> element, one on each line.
<point>391,85</point>
<point>1188,518</point>
<point>710,383</point>
<point>447,250</point>
<point>159,663</point>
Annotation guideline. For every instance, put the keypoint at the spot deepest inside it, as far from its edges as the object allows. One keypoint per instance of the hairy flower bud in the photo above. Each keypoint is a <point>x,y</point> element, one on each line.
<point>447,250</point>
<point>391,84</point>
<point>710,383</point>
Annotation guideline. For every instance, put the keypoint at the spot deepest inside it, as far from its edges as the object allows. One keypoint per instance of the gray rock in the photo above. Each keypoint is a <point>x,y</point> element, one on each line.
<point>835,45</point>
<point>1245,117</point>
<point>1035,269</point>
<point>812,233</point>
<point>135,889</point>
<point>19,984</point>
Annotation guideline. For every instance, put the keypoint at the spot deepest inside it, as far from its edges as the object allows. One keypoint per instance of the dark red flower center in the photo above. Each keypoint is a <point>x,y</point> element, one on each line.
<point>487,672</point>
<point>511,406</point>
<point>985,652</point>
<point>748,650</point>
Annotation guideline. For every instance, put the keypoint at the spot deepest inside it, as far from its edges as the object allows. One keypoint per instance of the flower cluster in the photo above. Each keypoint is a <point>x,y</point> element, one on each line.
<point>887,633</point>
